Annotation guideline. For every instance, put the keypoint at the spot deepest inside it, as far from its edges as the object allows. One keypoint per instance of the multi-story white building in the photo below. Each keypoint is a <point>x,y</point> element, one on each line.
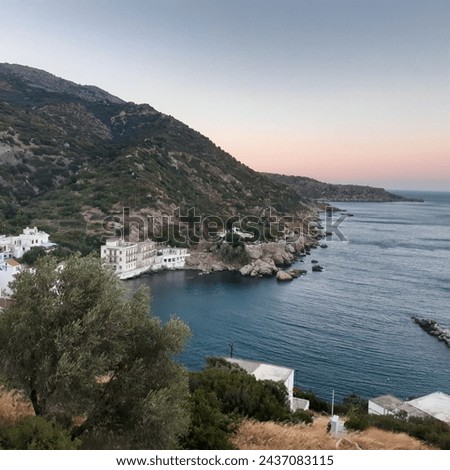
<point>130,259</point>
<point>15,246</point>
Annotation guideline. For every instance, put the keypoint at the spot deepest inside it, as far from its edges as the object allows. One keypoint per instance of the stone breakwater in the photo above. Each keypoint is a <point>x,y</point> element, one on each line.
<point>433,328</point>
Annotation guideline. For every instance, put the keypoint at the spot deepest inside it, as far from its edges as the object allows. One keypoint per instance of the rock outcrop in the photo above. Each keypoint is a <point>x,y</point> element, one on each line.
<point>284,276</point>
<point>259,268</point>
<point>433,328</point>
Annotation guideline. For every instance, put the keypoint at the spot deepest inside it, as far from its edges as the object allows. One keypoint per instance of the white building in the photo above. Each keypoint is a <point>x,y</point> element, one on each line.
<point>435,405</point>
<point>9,268</point>
<point>263,371</point>
<point>130,259</point>
<point>17,245</point>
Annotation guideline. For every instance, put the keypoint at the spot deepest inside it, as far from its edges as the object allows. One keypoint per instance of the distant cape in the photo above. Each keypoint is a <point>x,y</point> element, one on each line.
<point>312,189</point>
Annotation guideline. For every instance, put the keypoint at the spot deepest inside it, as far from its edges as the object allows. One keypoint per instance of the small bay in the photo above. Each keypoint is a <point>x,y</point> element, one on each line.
<point>347,328</point>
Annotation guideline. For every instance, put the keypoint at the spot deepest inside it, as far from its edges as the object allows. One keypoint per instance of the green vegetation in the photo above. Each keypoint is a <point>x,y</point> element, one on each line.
<point>315,403</point>
<point>36,433</point>
<point>352,403</point>
<point>223,394</point>
<point>30,257</point>
<point>79,346</point>
<point>240,393</point>
<point>210,427</point>
<point>429,430</point>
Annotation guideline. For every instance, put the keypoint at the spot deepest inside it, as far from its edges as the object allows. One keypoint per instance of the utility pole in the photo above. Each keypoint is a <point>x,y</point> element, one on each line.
<point>231,346</point>
<point>332,403</point>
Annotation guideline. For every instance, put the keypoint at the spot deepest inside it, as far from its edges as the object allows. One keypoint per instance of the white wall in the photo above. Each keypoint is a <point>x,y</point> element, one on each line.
<point>375,409</point>
<point>290,388</point>
<point>7,274</point>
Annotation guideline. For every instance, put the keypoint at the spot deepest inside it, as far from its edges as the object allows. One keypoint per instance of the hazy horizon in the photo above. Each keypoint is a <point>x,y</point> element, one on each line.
<point>349,91</point>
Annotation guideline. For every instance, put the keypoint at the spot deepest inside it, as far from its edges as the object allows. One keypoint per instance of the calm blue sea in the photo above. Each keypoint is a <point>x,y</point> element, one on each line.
<point>347,328</point>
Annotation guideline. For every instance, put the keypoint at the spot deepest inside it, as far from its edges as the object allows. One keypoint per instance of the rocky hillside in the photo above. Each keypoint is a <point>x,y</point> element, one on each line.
<point>313,189</point>
<point>71,155</point>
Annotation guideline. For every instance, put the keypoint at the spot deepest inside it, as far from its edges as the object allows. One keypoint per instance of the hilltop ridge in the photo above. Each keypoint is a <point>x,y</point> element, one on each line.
<point>317,190</point>
<point>70,155</point>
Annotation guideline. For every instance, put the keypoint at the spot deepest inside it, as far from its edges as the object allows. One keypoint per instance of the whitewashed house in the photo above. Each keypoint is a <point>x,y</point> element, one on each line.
<point>435,405</point>
<point>9,268</point>
<point>263,371</point>
<point>385,405</point>
<point>130,259</point>
<point>17,245</point>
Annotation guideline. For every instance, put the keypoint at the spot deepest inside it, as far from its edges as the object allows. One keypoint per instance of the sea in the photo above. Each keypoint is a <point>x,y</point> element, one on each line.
<point>347,329</point>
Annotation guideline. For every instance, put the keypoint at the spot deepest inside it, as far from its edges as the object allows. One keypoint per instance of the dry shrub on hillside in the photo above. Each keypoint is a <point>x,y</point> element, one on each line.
<point>272,436</point>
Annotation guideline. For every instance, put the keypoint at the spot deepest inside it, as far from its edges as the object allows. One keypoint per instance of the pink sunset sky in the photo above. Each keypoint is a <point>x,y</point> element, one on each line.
<point>349,91</point>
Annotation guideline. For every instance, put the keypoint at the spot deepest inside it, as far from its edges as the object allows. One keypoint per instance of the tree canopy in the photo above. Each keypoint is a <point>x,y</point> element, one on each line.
<point>89,354</point>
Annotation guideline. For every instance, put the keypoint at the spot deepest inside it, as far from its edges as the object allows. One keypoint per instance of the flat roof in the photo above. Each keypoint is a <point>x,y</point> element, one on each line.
<point>395,405</point>
<point>435,404</point>
<point>263,371</point>
<point>389,402</point>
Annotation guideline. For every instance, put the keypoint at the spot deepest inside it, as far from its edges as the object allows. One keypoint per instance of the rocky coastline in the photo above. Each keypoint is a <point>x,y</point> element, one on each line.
<point>261,259</point>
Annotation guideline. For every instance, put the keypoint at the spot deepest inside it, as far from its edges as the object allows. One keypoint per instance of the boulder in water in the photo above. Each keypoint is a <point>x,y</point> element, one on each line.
<point>284,276</point>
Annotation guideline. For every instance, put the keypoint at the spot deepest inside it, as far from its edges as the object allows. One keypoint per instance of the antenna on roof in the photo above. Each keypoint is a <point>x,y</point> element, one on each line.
<point>231,346</point>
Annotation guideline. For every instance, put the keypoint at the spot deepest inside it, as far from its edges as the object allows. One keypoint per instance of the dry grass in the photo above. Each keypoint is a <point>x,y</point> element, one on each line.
<point>13,406</point>
<point>271,436</point>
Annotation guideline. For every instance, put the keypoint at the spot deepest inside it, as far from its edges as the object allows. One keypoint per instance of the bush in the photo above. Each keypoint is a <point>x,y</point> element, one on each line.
<point>315,403</point>
<point>240,393</point>
<point>210,428</point>
<point>31,256</point>
<point>36,433</point>
<point>300,416</point>
<point>223,394</point>
<point>358,422</point>
<point>352,403</point>
<point>429,430</point>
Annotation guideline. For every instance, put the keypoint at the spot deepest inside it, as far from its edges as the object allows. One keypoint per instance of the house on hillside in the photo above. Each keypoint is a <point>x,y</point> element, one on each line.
<point>262,371</point>
<point>435,405</point>
<point>15,246</point>
<point>9,268</point>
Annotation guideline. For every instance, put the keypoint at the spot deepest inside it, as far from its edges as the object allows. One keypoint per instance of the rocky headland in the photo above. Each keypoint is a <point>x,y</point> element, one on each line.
<point>260,259</point>
<point>318,190</point>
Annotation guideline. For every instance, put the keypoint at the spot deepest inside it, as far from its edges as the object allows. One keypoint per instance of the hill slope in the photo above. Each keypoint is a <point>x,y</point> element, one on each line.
<point>71,154</point>
<point>313,189</point>
<point>253,435</point>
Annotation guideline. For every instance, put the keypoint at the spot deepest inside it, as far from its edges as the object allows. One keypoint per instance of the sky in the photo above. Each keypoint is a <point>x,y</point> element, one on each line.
<point>349,91</point>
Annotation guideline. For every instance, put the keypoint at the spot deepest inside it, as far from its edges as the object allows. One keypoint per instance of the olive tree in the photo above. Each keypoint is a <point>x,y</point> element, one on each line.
<point>88,353</point>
